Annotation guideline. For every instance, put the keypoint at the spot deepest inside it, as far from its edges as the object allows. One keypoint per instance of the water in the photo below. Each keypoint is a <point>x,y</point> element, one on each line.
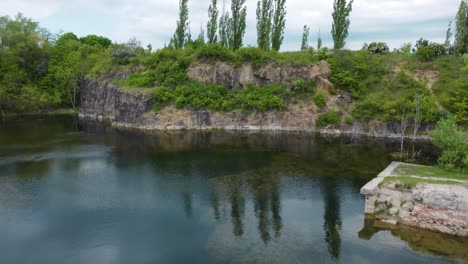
<point>74,192</point>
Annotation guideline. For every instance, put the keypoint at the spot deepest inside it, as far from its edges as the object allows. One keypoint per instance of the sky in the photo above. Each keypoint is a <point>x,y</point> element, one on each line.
<point>153,21</point>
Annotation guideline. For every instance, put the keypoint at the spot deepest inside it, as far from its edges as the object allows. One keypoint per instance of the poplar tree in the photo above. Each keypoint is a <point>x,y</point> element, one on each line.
<point>319,41</point>
<point>223,27</point>
<point>279,23</point>
<point>182,33</point>
<point>305,38</point>
<point>212,25</point>
<point>461,33</point>
<point>340,26</point>
<point>264,15</point>
<point>449,35</point>
<point>236,24</point>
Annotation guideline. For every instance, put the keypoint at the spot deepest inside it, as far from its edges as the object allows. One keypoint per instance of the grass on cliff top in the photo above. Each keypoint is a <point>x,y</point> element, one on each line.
<point>406,170</point>
<point>408,182</point>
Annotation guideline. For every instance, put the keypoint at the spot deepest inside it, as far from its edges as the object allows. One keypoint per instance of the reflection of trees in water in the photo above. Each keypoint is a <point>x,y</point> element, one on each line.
<point>264,185</point>
<point>332,217</point>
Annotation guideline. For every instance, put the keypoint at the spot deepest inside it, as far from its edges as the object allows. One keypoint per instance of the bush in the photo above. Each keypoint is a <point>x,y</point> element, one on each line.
<point>121,54</point>
<point>378,48</point>
<point>427,51</point>
<point>453,142</point>
<point>253,55</point>
<point>332,117</point>
<point>215,52</point>
<point>320,99</point>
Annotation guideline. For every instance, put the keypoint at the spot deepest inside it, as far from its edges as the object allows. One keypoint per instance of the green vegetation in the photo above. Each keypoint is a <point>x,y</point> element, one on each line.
<point>42,71</point>
<point>320,99</point>
<point>453,142</point>
<point>217,97</point>
<point>340,26</point>
<point>332,117</point>
<point>409,182</point>
<point>407,170</point>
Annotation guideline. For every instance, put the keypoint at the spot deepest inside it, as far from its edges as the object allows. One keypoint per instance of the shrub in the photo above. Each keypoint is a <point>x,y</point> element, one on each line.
<point>320,99</point>
<point>121,54</point>
<point>331,117</point>
<point>453,142</point>
<point>253,55</point>
<point>427,51</point>
<point>215,52</point>
<point>378,48</point>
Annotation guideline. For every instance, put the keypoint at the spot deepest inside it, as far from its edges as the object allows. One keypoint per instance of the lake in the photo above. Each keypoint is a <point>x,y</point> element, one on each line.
<point>83,192</point>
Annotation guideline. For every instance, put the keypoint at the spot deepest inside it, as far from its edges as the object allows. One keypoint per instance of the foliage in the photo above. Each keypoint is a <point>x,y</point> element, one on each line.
<point>225,30</point>
<point>250,54</point>
<point>427,51</point>
<point>451,87</point>
<point>320,99</point>
<point>461,28</point>
<point>453,142</point>
<point>215,52</point>
<point>182,33</point>
<point>238,23</point>
<point>264,12</point>
<point>378,48</point>
<point>279,23</point>
<point>93,40</point>
<point>212,25</point>
<point>332,117</point>
<point>200,96</point>
<point>340,26</point>
<point>305,38</point>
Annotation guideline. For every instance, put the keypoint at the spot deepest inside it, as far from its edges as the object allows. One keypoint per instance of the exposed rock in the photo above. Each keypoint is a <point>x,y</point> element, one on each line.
<point>271,73</point>
<point>437,207</point>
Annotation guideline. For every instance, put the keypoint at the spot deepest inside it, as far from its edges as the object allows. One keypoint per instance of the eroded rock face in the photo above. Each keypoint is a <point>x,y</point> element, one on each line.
<point>129,109</point>
<point>271,73</point>
<point>437,207</point>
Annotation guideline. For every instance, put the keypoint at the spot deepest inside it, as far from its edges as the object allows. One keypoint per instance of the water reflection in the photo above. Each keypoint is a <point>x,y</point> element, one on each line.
<point>204,197</point>
<point>420,240</point>
<point>332,217</point>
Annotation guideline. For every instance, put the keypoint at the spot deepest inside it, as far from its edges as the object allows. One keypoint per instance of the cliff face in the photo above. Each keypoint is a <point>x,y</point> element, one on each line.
<point>103,100</point>
<point>271,73</point>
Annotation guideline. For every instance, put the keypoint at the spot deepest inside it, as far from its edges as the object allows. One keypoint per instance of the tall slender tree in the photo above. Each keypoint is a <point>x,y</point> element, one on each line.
<point>278,25</point>
<point>319,40</point>
<point>182,33</point>
<point>264,15</point>
<point>305,38</point>
<point>212,25</point>
<point>237,23</point>
<point>223,27</point>
<point>340,26</point>
<point>461,33</point>
<point>448,36</point>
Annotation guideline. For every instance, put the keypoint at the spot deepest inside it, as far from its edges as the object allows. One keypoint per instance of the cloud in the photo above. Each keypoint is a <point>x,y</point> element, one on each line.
<point>391,21</point>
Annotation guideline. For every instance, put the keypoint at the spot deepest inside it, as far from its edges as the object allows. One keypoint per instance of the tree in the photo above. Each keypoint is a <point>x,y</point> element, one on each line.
<point>92,40</point>
<point>340,26</point>
<point>448,36</point>
<point>224,26</point>
<point>212,25</point>
<point>279,23</point>
<point>319,41</point>
<point>182,33</point>
<point>237,23</point>
<point>461,27</point>
<point>264,13</point>
<point>452,141</point>
<point>305,38</point>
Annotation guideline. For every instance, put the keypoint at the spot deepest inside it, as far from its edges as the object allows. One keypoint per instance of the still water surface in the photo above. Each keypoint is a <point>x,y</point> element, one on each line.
<point>74,192</point>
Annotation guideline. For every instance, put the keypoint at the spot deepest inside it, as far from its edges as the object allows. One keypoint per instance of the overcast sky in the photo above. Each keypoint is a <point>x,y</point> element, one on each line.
<point>153,21</point>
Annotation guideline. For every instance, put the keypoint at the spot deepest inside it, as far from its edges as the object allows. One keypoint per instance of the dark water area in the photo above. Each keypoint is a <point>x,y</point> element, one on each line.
<point>82,192</point>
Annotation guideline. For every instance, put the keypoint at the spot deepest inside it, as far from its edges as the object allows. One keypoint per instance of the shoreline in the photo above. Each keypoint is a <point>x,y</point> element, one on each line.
<point>327,131</point>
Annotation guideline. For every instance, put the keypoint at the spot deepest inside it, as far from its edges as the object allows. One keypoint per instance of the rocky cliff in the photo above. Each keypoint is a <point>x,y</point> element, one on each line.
<point>271,73</point>
<point>103,100</point>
